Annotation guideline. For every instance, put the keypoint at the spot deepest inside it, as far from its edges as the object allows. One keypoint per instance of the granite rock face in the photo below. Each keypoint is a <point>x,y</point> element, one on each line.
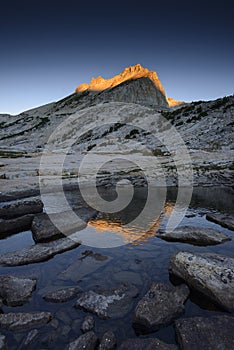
<point>110,303</point>
<point>161,304</point>
<point>194,235</point>
<point>15,291</point>
<point>213,333</point>
<point>20,320</point>
<point>210,274</point>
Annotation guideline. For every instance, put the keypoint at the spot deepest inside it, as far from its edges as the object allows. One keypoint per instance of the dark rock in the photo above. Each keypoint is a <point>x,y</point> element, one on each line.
<point>19,194</point>
<point>88,324</point>
<point>160,306</point>
<point>39,252</point>
<point>3,343</point>
<point>21,207</point>
<point>146,344</point>
<point>108,304</point>
<point>15,291</point>
<point>194,235</point>
<point>15,321</point>
<point>62,295</point>
<point>225,220</point>
<point>87,341</point>
<point>9,227</point>
<point>108,341</point>
<point>210,274</point>
<point>213,333</point>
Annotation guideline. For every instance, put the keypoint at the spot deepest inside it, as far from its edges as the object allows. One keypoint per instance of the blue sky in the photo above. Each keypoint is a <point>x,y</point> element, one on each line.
<point>48,48</point>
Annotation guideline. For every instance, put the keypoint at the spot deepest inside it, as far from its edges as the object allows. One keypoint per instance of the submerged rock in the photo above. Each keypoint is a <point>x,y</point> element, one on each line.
<point>88,324</point>
<point>21,207</point>
<point>108,341</point>
<point>210,274</point>
<point>15,291</point>
<point>225,220</point>
<point>14,321</point>
<point>39,252</point>
<point>194,235</point>
<point>63,294</point>
<point>87,341</point>
<point>29,339</point>
<point>146,344</point>
<point>161,304</point>
<point>213,333</point>
<point>22,223</point>
<point>108,304</point>
<point>3,343</point>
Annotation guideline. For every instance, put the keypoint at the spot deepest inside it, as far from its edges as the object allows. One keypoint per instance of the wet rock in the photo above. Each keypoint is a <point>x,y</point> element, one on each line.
<point>39,252</point>
<point>21,207</point>
<point>161,304</point>
<point>14,321</point>
<point>88,324</point>
<point>210,274</point>
<point>225,220</point>
<point>146,344</point>
<point>44,230</point>
<point>62,295</point>
<point>108,341</point>
<point>194,235</point>
<point>15,291</point>
<point>85,265</point>
<point>19,194</point>
<point>108,304</point>
<point>9,227</point>
<point>30,338</point>
<point>87,341</point>
<point>3,343</point>
<point>213,333</point>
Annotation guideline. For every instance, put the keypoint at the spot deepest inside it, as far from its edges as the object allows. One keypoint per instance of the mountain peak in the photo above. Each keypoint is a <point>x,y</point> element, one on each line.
<point>129,73</point>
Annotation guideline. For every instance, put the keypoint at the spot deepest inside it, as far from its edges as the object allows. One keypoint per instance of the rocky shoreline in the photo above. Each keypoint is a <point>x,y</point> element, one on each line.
<point>161,305</point>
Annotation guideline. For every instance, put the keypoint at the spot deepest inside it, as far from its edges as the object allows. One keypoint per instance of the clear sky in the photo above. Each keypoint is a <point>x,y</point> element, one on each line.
<point>48,48</point>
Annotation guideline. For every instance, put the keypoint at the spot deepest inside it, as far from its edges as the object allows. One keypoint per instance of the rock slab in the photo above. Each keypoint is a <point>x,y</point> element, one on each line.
<point>20,207</point>
<point>15,321</point>
<point>62,295</point>
<point>194,235</point>
<point>213,333</point>
<point>160,306</point>
<point>108,304</point>
<point>87,341</point>
<point>210,274</point>
<point>39,252</point>
<point>146,344</point>
<point>15,291</point>
<point>225,220</point>
<point>16,225</point>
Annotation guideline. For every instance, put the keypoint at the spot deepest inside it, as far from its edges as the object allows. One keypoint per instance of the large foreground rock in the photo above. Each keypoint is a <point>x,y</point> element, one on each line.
<point>194,235</point>
<point>21,207</point>
<point>9,227</point>
<point>210,274</point>
<point>15,321</point>
<point>15,291</point>
<point>161,304</point>
<point>146,344</point>
<point>44,230</point>
<point>108,304</point>
<point>213,333</point>
<point>62,294</point>
<point>225,220</point>
<point>39,252</point>
<point>3,343</point>
<point>87,341</point>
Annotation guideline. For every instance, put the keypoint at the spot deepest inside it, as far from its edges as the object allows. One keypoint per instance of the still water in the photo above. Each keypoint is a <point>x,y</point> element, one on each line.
<point>140,259</point>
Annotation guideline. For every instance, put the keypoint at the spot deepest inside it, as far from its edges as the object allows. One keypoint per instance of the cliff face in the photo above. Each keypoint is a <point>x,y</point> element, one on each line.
<point>135,84</point>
